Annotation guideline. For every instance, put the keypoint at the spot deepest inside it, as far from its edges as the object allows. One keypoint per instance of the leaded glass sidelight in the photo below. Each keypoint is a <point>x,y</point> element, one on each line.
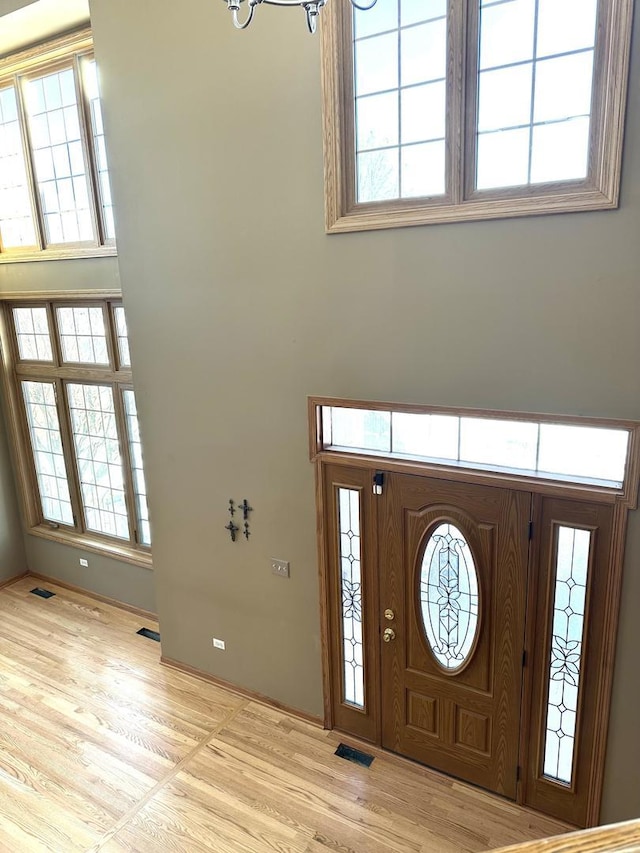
<point>572,564</point>
<point>449,596</point>
<point>351,595</point>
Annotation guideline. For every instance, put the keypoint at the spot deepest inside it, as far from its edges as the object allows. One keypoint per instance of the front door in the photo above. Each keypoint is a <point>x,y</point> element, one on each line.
<point>452,571</point>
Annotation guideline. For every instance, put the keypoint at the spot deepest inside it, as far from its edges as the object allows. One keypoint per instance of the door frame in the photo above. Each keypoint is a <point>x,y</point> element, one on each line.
<point>357,470</point>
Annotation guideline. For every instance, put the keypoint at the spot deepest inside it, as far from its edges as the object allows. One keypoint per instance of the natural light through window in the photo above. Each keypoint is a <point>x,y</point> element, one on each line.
<point>55,196</point>
<point>54,126</point>
<point>79,446</point>
<point>535,81</point>
<point>16,217</point>
<point>443,110</point>
<point>400,57</point>
<point>567,452</point>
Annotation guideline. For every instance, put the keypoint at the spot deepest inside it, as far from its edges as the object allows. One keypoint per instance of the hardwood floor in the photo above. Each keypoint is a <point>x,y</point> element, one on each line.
<point>103,749</point>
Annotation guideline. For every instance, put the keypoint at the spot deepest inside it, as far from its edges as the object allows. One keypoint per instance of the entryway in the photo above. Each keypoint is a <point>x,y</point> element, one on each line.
<point>469,615</point>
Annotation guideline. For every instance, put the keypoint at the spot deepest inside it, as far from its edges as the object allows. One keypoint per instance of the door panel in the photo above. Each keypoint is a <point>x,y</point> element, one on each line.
<point>450,700</point>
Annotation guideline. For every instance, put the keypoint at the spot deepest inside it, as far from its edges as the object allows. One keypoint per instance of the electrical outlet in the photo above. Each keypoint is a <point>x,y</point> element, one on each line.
<point>280,567</point>
<point>84,563</point>
<point>218,644</point>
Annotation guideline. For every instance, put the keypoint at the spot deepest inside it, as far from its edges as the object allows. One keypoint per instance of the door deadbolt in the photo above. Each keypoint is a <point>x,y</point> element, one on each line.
<point>389,615</point>
<point>388,635</point>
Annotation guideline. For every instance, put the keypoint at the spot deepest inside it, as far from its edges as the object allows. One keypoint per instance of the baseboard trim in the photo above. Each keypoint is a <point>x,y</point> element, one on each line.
<point>241,691</point>
<point>11,581</point>
<point>104,599</point>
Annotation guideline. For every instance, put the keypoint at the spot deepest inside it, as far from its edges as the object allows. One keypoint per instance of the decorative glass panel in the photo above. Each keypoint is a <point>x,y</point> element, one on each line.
<point>48,456</point>
<point>400,58</point>
<point>95,434</point>
<point>32,334</point>
<point>572,564</point>
<point>16,216</point>
<point>137,468</point>
<point>83,335</point>
<point>122,335</point>
<point>56,140</point>
<point>535,80</point>
<point>351,595</point>
<point>97,129</point>
<point>449,596</point>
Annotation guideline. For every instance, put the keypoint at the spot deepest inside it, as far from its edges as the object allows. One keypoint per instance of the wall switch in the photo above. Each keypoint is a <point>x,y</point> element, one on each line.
<point>218,644</point>
<point>280,567</point>
<point>84,563</point>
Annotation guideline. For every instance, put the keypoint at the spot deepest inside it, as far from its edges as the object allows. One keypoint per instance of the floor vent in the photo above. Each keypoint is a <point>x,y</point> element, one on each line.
<point>355,755</point>
<point>43,593</point>
<point>149,634</point>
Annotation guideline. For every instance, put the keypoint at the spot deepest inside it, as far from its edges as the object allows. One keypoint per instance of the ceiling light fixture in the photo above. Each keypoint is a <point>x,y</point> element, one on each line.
<point>311,8</point>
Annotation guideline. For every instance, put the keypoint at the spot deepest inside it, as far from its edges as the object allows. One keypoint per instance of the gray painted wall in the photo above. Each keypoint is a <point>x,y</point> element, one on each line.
<point>239,306</point>
<point>13,560</point>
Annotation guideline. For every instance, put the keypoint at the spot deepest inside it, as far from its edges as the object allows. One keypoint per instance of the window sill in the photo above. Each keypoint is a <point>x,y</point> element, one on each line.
<point>62,254</point>
<point>114,550</point>
<point>401,214</point>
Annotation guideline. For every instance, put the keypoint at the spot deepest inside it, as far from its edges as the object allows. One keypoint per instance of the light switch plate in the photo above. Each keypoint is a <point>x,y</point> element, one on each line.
<point>280,567</point>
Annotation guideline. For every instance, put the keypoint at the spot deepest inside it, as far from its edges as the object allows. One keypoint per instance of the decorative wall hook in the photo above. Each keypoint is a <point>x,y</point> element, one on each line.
<point>231,527</point>
<point>246,509</point>
<point>246,533</point>
<point>232,509</point>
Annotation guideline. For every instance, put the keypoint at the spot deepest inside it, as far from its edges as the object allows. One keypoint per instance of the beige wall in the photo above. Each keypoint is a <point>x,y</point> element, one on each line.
<point>105,576</point>
<point>13,560</point>
<point>240,306</point>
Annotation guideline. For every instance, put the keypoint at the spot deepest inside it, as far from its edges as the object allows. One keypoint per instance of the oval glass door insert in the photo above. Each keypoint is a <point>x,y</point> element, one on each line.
<point>449,597</point>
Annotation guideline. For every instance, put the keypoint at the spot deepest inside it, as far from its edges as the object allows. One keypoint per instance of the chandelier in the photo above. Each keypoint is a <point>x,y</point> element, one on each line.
<point>311,8</point>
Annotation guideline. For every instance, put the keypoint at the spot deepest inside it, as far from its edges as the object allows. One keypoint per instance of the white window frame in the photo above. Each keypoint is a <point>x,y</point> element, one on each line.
<point>68,51</point>
<point>598,191</point>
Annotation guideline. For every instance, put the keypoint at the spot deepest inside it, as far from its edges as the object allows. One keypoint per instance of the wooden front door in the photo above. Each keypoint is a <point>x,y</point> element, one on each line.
<point>453,579</point>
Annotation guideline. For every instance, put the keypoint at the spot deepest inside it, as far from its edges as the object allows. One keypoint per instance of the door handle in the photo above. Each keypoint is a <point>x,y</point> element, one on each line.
<point>388,634</point>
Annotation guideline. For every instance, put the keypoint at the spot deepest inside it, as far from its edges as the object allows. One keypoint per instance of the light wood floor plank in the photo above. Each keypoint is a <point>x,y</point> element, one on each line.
<point>102,749</point>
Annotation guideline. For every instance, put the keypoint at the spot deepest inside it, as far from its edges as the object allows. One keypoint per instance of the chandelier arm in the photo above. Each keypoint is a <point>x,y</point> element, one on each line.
<point>242,25</point>
<point>312,21</point>
<point>283,3</point>
<point>311,7</point>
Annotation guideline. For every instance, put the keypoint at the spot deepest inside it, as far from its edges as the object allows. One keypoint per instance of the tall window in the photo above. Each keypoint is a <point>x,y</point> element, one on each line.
<point>74,409</point>
<point>441,110</point>
<point>55,199</point>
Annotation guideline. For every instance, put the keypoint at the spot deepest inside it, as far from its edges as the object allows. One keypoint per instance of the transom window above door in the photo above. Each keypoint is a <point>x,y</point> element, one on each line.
<point>441,110</point>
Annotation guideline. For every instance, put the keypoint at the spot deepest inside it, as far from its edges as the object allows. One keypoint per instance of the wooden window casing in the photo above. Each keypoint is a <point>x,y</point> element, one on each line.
<point>72,52</point>
<point>461,201</point>
<point>112,375</point>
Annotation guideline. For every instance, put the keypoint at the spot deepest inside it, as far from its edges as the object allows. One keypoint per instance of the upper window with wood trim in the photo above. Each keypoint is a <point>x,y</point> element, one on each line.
<point>446,110</point>
<point>73,417</point>
<point>55,198</point>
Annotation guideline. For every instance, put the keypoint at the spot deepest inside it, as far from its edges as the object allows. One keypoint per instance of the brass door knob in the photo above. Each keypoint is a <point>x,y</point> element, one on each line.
<point>389,615</point>
<point>388,635</point>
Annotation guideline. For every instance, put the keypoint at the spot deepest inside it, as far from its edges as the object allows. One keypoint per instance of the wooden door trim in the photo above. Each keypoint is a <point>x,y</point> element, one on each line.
<point>622,503</point>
